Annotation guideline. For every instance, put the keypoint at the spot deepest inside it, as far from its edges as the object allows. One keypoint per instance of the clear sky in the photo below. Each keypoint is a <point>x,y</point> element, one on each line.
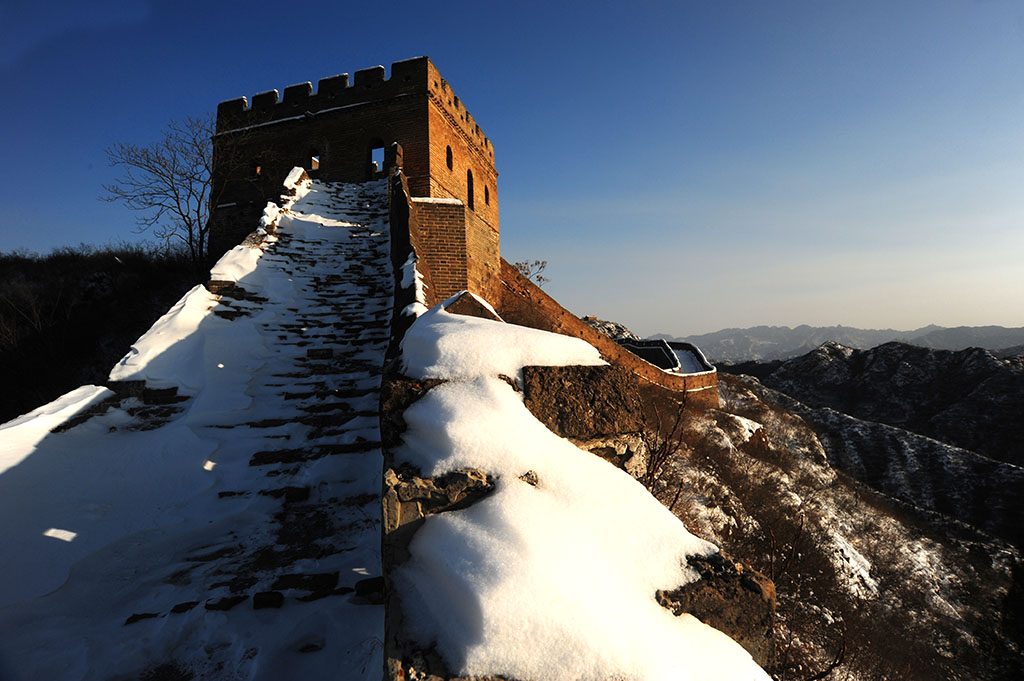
<point>682,166</point>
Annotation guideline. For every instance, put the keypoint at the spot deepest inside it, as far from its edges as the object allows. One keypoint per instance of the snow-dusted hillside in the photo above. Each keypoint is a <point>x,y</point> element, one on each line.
<point>966,398</point>
<point>868,588</point>
<point>223,522</point>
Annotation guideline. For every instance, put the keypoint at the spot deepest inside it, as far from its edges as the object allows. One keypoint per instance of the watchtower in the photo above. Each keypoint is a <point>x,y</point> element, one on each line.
<point>340,133</point>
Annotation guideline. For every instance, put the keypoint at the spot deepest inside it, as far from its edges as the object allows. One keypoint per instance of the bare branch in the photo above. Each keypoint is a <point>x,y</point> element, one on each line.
<point>532,270</point>
<point>168,182</point>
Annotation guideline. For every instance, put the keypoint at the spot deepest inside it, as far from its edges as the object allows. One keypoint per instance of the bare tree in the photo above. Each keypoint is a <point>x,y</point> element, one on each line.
<point>532,270</point>
<point>169,182</point>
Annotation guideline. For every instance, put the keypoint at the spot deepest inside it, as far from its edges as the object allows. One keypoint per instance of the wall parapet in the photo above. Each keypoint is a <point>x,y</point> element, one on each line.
<point>523,302</point>
<point>409,76</point>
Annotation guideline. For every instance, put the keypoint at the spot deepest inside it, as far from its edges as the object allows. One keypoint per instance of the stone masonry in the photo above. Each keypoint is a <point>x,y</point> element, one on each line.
<point>340,133</point>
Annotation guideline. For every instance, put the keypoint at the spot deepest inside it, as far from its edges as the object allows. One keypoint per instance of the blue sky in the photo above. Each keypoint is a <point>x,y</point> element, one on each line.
<point>683,166</point>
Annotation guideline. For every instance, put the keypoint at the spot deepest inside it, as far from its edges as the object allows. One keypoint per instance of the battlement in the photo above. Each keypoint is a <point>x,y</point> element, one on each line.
<point>445,99</point>
<point>340,132</point>
<point>410,77</point>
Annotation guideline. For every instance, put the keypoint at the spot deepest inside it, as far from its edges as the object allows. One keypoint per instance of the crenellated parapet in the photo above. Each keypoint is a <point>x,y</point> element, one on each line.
<point>339,131</point>
<point>367,85</point>
<point>334,93</point>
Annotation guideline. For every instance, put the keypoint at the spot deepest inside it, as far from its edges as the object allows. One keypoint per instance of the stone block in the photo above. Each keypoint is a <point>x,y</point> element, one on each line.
<point>737,601</point>
<point>583,402</point>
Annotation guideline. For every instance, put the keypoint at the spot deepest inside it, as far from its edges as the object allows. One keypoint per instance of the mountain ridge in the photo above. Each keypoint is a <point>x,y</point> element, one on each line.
<point>766,343</point>
<point>966,398</point>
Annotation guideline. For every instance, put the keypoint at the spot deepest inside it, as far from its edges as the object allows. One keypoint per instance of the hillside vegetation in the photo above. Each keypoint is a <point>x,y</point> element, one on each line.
<point>869,588</point>
<point>67,317</point>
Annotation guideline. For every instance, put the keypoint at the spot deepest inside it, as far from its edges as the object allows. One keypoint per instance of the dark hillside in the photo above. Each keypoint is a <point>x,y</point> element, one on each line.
<point>869,588</point>
<point>68,317</point>
<point>967,398</point>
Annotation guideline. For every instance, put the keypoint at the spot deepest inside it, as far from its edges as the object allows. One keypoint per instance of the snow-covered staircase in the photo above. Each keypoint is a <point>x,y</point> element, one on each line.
<point>238,531</point>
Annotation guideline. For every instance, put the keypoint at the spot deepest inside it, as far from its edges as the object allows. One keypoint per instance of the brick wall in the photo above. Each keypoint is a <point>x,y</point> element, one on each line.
<point>452,127</point>
<point>438,233</point>
<point>340,122</point>
<point>483,257</point>
<point>523,302</point>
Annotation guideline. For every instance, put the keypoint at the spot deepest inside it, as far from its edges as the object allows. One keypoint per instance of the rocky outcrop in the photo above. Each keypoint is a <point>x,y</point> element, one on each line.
<point>614,330</point>
<point>409,498</point>
<point>598,408</point>
<point>737,601</point>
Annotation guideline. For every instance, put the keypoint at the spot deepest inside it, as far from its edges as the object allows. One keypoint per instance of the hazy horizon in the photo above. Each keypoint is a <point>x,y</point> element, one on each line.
<point>684,167</point>
<point>830,326</point>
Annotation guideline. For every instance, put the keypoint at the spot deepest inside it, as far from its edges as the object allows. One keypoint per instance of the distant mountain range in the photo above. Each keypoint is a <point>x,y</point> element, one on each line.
<point>936,428</point>
<point>765,343</point>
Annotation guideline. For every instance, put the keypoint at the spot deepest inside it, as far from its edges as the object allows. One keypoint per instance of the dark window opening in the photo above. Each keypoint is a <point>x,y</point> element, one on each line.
<point>448,158</point>
<point>487,195</point>
<point>469,188</point>
<point>375,158</point>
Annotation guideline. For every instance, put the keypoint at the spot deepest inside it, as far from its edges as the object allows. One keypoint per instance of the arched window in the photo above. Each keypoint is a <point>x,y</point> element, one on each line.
<point>487,195</point>
<point>448,158</point>
<point>469,188</point>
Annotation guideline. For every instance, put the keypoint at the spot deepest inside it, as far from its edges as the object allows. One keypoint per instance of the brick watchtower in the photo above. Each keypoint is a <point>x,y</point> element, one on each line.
<point>339,133</point>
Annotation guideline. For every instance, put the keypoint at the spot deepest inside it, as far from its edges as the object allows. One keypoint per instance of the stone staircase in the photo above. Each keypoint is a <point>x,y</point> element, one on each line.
<point>298,523</point>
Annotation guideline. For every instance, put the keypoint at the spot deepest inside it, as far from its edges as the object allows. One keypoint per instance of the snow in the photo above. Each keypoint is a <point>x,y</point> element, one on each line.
<point>453,346</point>
<point>689,363</point>
<point>411,278</point>
<point>236,263</point>
<point>241,260</point>
<point>854,567</point>
<point>171,353</point>
<point>18,438</point>
<point>271,214</point>
<point>140,508</point>
<point>295,182</point>
<point>547,582</point>
<point>437,200</point>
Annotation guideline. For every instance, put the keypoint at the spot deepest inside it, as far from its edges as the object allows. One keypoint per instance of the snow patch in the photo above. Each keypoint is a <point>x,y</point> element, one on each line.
<point>239,262</point>
<point>453,346</point>
<point>437,200</point>
<point>857,569</point>
<point>170,353</point>
<point>412,278</point>
<point>295,182</point>
<point>549,581</point>
<point>18,438</point>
